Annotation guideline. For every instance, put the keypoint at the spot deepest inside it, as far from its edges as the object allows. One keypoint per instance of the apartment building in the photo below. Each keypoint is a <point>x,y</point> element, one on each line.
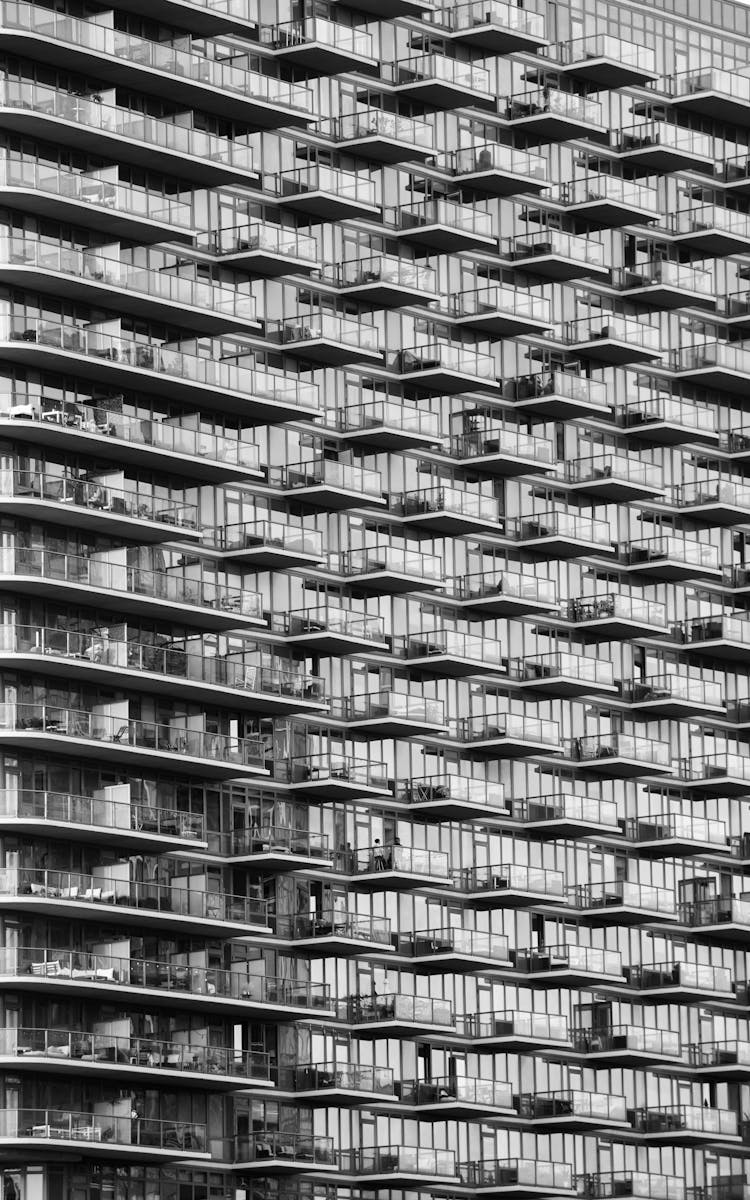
<point>375,649</point>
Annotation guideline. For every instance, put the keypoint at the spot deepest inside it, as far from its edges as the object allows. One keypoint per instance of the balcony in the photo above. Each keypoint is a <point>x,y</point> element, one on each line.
<point>502,450</point>
<point>507,735</point>
<point>447,950</point>
<point>397,1015</point>
<point>549,114</point>
<point>326,338</point>
<point>626,1046</point>
<point>556,255</point>
<point>719,636</point>
<point>724,919</point>
<point>614,477</point>
<point>717,501</point>
<point>457,1098</point>
<point>328,193</point>
<point>572,1110</point>
<point>559,534</point>
<point>270,544</point>
<point>508,886</point>
<point>566,816</point>
<point>500,311</point>
<point>329,484</point>
<point>78,579</point>
<point>272,848</point>
<point>709,92</point>
<point>338,776</point>
<point>657,147</point>
<point>492,25</point>
<point>388,425</point>
<point>320,46</point>
<point>504,593</point>
<point>328,629</point>
<point>615,617</point>
<point>56,728</point>
<point>96,506</point>
<point>445,369</point>
<point>518,1178</point>
<point>609,201</point>
<point>453,655</point>
<point>622,755</point>
<point>607,61</point>
<point>105,1135</point>
<point>685,1125</point>
<point>446,226</point>
<point>336,1084</point>
<point>721,1060</point>
<point>681,982</point>
<point>99,818</point>
<point>667,284</point>
<point>442,82</point>
<point>497,170</point>
<point>197,379</point>
<point>633,1184</point>
<point>448,510</point>
<point>387,281</point>
<point>85,1055</point>
<point>669,557</point>
<point>85,124</point>
<point>711,230</point>
<point>734,175</point>
<point>570,966</point>
<point>562,674</point>
<point>71,425</point>
<point>454,797</point>
<point>389,714</point>
<point>622,902</point>
<point>268,1152</point>
<point>263,249</point>
<point>669,835</point>
<point>729,773</point>
<point>398,1166</point>
<point>668,420</point>
<point>397,868</point>
<point>613,340</point>
<point>722,365</point>
<point>673,694</point>
<point>515,1032</point>
<point>382,136</point>
<point>391,570</point>
<point>199,16</point>
<point>95,200</point>
<point>733,310</point>
<point>340,934</point>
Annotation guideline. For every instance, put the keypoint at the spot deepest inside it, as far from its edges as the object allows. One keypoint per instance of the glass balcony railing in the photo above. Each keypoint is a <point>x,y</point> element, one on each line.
<point>539,667</point>
<point>734,304</point>
<point>665,273</point>
<point>655,134</point>
<point>711,217</point>
<point>273,535</point>
<point>622,745</point>
<point>328,618</point>
<point>715,628</point>
<point>613,466</point>
<point>604,45</point>
<point>671,686</point>
<point>564,807</point>
<point>686,1118</point>
<point>389,414</point>
<point>39,562</point>
<point>649,408</point>
<point>489,726</point>
<point>101,1048</point>
<point>460,217</point>
<point>491,12</point>
<point>326,326</point>
<point>609,189</point>
<point>736,169</point>
<point>472,943</point>
<point>89,493</point>
<point>316,177</point>
<point>379,123</point>
<point>453,71</point>
<point>715,491</point>
<point>344,38</point>
<point>385,268</point>
<point>542,1106</point>
<point>55,1124</point>
<point>556,523</point>
<point>68,809</point>
<point>509,877</point>
<point>719,1054</point>
<point>622,893</point>
<point>391,559</point>
<point>454,787</point>
<point>587,959</point>
<point>95,187</point>
<point>457,501</point>
<point>512,584</point>
<point>511,302</point>
<point>587,1040</point>
<point>439,642</point>
<point>493,156</point>
<point>326,472</point>
<point>610,326</point>
<point>441,356</point>
<point>395,705</point>
<point>213,372</point>
<point>615,606</point>
<point>518,1173</point>
<point>548,100</point>
<point>453,1089</point>
<point>349,1077</point>
<point>261,236</point>
<point>503,441</point>
<point>719,910</point>
<point>693,976</point>
<point>291,1147</point>
<point>678,827</point>
<point>330,768</point>
<point>153,132</point>
<point>562,245</point>
<point>687,551</point>
<point>273,839</point>
<point>541,1027</point>
<point>414,1010</point>
<point>708,79</point>
<point>408,859</point>
<point>645,1184</point>
<point>403,1160</point>
<point>336,925</point>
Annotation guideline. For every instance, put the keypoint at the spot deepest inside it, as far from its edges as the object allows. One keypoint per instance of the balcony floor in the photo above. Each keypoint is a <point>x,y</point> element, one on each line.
<point>554,127</point>
<point>138,839</point>
<point>439,93</point>
<point>401,880</point>
<point>94,213</point>
<point>99,520</point>
<point>452,665</point>
<point>326,205</point>
<point>597,69</point>
<point>611,214</point>
<point>327,641</point>
<point>392,726</point>
<point>503,605</point>
<point>553,545</point>
<point>672,568</point>
<point>378,147</point>
<point>496,182</point>
<point>676,706</point>
<point>620,766</point>
<point>713,242</point>
<point>265,262</point>
<point>447,238</point>
<point>382,293</point>
<point>270,557</point>
<point>501,325</point>
<point>502,746</point>
<point>507,896</point>
<point>613,350</point>
<point>668,296</point>
<point>618,913</point>
<point>446,522</point>
<point>65,1149</point>
<point>330,352</point>
<point>566,828</point>
<point>667,433</point>
<point>557,683</point>
<point>338,787</point>
<point>612,629</point>
<point>495,39</point>
<point>323,58</point>
<point>395,583</point>
<point>444,381</point>
<point>455,810</point>
<point>716,105</point>
<point>121,914</point>
<point>335,499</point>
<point>551,264</point>
<point>93,1073</point>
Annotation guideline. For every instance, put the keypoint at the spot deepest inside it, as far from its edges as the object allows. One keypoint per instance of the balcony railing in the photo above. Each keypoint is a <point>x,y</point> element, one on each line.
<point>403,1160</point>
<point>116,816</point>
<point>327,618</point>
<point>309,328</point>
<point>690,1118</point>
<point>473,943</point>
<point>329,473</point>
<point>622,745</point>
<point>273,535</point>
<point>518,1173</point>
<point>710,766</point>
<point>718,1054</point>
<point>587,959</point>
<point>379,123</point>
<point>622,893</point>
<point>390,415</point>
<point>454,787</point>
<point>691,976</point>
<point>493,156</point>
<point>453,1089</point>
<point>512,584</point>
<point>716,491</point>
<point>270,839</point>
<point>720,910</point>
<point>458,501</point>
<point>389,857</point>
<point>664,1042</point>
<point>709,217</point>
<point>614,606</point>
<point>504,442</point>
<point>608,326</point>
<point>637,1184</point>
<point>491,12</point>
<point>706,79</point>
<point>332,767</point>
<point>678,827</point>
<point>604,45</point>
<point>664,273</point>
<point>344,38</point>
<point>609,189</point>
<point>535,1026</point>
<point>539,667</point>
<point>561,245</point>
<point>291,1147</point>
<point>599,467</point>
<point>509,877</point>
<point>669,685</point>
<point>556,523</point>
<point>337,925</point>
<point>684,550</point>
<point>460,217</point>
<point>442,356</point>
<point>101,1048</point>
<point>649,408</point>
<point>385,268</point>
<point>487,726</point>
<point>511,302</point>
<point>550,100</point>
<point>331,1076</point>
<point>438,643</point>
<point>661,133</point>
<point>53,1124</point>
<point>91,494</point>
<point>565,807</point>
<point>345,185</point>
<point>541,1106</point>
<point>714,628</point>
<point>261,236</point>
<point>375,559</point>
<point>453,71</point>
<point>397,705</point>
<point>417,1010</point>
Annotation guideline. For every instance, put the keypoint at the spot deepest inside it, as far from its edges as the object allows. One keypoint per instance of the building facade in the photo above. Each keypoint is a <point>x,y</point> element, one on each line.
<point>374,511</point>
